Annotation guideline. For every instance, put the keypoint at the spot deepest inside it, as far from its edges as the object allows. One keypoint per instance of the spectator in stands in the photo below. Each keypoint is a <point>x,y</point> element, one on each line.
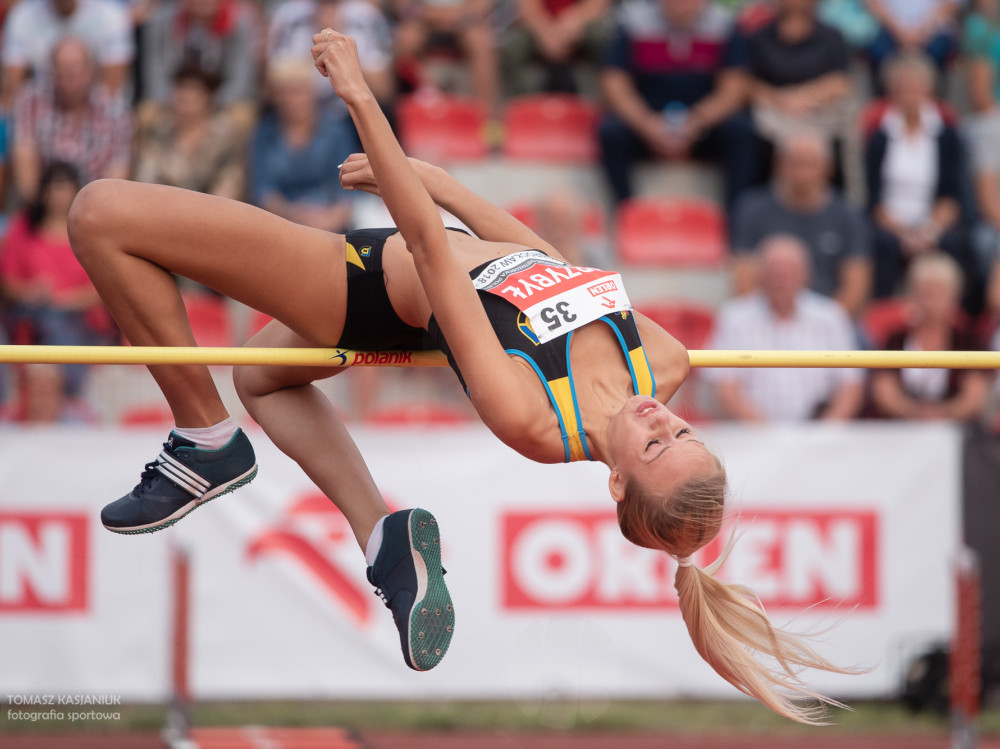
<point>800,80</point>
<point>462,24</point>
<point>926,26</point>
<point>785,314</point>
<point>194,146</point>
<point>936,324</point>
<point>558,34</point>
<point>68,116</point>
<point>42,399</point>
<point>140,12</point>
<point>675,84</point>
<point>914,163</point>
<point>981,45</point>
<point>561,223</point>
<point>852,19</point>
<point>294,22</point>
<point>34,27</point>
<point>51,301</point>
<point>296,152</point>
<point>219,36</point>
<point>800,202</point>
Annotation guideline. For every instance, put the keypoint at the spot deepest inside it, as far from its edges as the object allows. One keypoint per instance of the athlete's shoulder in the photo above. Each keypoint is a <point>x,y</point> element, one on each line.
<point>668,359</point>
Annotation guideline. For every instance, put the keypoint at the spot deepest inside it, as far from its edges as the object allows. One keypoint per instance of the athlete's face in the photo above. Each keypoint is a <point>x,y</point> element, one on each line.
<point>650,444</point>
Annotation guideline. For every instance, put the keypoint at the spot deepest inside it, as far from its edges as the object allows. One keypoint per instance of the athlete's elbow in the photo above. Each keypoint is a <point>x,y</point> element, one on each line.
<point>423,232</point>
<point>428,249</point>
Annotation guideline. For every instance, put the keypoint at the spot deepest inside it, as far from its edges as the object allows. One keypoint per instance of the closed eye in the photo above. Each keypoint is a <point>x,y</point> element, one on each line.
<point>685,430</point>
<point>651,443</point>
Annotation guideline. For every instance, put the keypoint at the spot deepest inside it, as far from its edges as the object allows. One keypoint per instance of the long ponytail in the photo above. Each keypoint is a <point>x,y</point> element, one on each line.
<point>726,622</point>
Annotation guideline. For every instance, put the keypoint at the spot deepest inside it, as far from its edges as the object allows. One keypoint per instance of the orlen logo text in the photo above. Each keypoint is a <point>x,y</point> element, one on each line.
<point>602,288</point>
<point>44,562</point>
<point>795,558</point>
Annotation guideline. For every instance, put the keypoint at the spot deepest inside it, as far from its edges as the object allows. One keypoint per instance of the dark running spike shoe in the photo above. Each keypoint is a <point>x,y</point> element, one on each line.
<point>407,574</point>
<point>182,478</point>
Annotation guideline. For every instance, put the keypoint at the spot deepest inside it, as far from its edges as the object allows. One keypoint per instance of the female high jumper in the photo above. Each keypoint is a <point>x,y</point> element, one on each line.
<point>552,357</point>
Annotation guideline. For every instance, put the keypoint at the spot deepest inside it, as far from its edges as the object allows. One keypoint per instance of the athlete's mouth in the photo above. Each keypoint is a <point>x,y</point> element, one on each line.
<point>646,406</point>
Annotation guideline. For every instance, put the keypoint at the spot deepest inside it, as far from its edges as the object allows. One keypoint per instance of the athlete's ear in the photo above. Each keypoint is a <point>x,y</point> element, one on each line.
<point>616,485</point>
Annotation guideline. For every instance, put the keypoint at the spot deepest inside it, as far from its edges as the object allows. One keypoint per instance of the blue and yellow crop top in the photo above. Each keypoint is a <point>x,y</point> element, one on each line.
<point>551,361</point>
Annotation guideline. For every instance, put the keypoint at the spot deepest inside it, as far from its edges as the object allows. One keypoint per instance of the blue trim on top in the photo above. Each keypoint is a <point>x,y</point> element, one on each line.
<point>628,359</point>
<point>652,377</point>
<point>576,404</point>
<point>552,399</point>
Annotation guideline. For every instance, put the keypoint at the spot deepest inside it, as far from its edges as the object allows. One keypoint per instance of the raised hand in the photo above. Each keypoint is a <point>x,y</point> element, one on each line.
<point>335,55</point>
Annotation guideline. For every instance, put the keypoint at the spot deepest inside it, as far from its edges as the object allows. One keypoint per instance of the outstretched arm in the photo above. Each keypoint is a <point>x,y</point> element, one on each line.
<point>487,221</point>
<point>489,374</point>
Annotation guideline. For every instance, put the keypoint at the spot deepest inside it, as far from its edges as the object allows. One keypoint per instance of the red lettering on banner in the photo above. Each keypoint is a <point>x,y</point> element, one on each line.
<point>44,562</point>
<point>790,558</point>
<point>314,534</point>
<point>602,288</point>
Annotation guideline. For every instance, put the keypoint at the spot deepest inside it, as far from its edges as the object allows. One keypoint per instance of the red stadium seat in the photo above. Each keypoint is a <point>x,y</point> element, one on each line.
<point>594,224</point>
<point>436,127</point>
<point>882,318</point>
<point>258,320</point>
<point>671,232</point>
<point>689,323</point>
<point>525,213</point>
<point>550,127</point>
<point>209,319</point>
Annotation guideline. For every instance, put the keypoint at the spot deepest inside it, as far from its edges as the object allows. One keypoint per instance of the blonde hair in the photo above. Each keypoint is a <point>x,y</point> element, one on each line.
<point>909,61</point>
<point>727,623</point>
<point>289,70</point>
<point>936,265</point>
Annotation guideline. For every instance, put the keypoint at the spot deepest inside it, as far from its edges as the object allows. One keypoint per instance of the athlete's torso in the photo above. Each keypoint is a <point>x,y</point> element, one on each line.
<point>595,354</point>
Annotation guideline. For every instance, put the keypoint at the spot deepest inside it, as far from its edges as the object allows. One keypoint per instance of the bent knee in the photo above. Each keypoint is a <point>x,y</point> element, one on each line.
<point>249,381</point>
<point>89,214</point>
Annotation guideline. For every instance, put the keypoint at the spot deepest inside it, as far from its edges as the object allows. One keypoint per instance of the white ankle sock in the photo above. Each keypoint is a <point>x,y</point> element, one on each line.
<point>209,438</point>
<point>374,542</point>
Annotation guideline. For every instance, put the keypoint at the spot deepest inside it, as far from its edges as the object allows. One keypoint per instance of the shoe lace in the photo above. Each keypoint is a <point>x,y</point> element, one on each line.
<point>149,472</point>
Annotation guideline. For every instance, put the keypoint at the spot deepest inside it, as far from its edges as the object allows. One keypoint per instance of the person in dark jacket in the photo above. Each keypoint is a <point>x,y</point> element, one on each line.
<point>914,164</point>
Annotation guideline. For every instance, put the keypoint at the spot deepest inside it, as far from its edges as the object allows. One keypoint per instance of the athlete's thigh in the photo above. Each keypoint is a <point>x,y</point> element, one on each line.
<point>291,272</point>
<point>263,379</point>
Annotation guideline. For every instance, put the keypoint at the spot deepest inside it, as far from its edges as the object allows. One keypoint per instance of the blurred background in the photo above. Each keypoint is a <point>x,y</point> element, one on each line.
<point>799,174</point>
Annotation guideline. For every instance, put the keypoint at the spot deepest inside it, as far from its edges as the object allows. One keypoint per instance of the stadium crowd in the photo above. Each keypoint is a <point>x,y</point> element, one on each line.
<point>856,145</point>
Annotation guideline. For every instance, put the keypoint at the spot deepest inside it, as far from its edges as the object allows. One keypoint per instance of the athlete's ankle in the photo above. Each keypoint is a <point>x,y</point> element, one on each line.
<point>209,438</point>
<point>374,542</point>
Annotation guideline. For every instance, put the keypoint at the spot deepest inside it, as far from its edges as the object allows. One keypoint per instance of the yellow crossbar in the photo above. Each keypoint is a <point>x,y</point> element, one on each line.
<point>334,357</point>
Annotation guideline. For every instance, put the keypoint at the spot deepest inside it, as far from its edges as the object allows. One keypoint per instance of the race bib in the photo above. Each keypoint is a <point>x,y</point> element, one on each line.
<point>555,297</point>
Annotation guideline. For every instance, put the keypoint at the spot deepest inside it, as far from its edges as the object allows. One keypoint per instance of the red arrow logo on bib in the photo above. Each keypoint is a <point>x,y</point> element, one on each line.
<point>609,303</point>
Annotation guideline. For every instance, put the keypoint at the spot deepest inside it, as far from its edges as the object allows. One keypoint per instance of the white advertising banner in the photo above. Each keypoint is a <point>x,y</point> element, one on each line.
<point>852,524</point>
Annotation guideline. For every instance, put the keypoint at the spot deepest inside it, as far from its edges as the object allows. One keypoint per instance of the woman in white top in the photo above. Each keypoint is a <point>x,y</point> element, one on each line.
<point>914,163</point>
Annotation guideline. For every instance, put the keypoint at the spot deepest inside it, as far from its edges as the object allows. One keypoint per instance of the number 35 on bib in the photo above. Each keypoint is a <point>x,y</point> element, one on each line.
<point>555,297</point>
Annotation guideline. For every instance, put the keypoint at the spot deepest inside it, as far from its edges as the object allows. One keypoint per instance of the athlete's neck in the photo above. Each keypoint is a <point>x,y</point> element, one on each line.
<point>598,406</point>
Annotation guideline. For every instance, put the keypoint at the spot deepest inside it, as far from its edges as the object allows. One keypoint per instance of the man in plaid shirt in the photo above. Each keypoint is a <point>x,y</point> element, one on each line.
<point>66,116</point>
